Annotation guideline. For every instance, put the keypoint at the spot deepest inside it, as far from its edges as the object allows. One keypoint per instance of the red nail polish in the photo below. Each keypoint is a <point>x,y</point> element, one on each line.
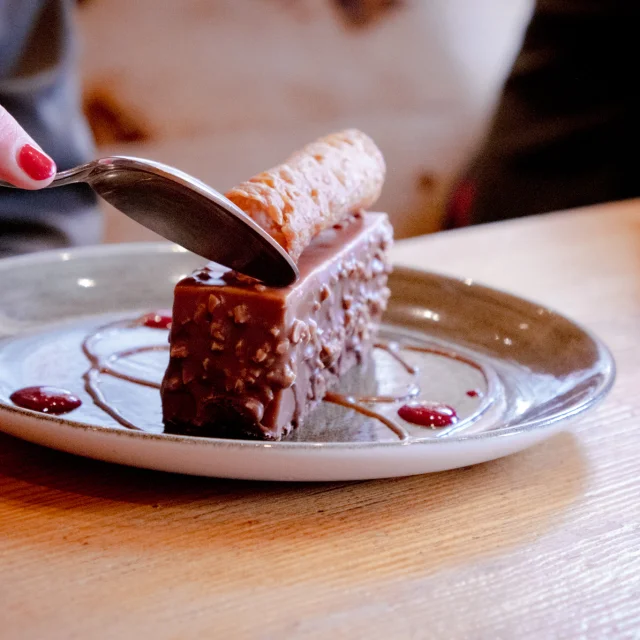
<point>35,164</point>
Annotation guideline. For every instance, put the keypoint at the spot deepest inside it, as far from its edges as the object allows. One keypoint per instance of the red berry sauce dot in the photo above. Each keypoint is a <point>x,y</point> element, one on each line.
<point>428,414</point>
<point>46,399</point>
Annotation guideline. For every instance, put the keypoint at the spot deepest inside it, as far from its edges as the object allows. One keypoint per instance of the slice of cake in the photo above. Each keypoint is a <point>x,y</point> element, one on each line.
<point>248,360</point>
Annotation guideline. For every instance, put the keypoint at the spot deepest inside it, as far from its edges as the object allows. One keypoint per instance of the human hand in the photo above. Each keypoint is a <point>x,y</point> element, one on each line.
<point>22,163</point>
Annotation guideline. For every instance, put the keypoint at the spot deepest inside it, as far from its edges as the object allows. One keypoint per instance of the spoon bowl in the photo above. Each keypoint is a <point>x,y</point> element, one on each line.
<point>186,211</point>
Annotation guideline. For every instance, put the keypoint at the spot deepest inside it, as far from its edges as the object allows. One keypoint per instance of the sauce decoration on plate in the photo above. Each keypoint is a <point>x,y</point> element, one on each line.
<point>44,399</point>
<point>428,414</point>
<point>423,413</point>
<point>157,320</point>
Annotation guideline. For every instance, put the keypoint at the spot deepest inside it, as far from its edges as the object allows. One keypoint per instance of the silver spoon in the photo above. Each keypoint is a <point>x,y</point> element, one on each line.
<point>186,211</point>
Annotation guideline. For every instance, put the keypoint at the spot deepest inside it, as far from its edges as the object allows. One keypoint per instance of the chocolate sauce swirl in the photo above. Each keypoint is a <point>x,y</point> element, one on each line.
<point>106,366</point>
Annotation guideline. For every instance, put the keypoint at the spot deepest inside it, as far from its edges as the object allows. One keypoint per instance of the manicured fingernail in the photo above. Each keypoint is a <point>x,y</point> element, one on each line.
<point>35,164</point>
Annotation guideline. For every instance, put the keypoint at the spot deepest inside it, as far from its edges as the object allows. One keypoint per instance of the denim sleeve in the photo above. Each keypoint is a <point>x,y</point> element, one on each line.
<point>39,87</point>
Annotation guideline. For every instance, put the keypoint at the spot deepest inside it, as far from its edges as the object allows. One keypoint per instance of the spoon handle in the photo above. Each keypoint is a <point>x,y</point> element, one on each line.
<point>70,176</point>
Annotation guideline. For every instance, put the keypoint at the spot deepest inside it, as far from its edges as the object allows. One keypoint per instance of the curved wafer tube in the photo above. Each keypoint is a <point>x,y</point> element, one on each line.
<point>314,189</point>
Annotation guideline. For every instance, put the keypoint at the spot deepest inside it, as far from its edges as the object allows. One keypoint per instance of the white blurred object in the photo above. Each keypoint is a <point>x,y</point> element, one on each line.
<point>227,87</point>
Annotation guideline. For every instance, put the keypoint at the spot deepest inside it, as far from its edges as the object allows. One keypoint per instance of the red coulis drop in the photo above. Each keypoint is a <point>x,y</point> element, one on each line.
<point>428,414</point>
<point>474,393</point>
<point>46,399</point>
<point>157,320</point>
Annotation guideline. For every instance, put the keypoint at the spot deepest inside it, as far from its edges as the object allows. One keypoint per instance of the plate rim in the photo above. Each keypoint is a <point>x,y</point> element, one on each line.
<point>138,248</point>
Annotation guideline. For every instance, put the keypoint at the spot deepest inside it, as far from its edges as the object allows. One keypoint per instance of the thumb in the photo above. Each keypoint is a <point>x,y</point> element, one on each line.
<point>22,162</point>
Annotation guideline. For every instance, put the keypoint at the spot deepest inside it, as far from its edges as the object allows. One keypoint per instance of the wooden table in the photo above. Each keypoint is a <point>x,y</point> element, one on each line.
<point>543,544</point>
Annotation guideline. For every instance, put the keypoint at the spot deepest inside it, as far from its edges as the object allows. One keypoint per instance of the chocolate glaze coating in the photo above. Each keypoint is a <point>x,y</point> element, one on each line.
<point>252,361</point>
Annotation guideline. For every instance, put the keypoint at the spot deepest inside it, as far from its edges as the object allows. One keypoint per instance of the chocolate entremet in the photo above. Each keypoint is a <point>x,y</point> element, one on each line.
<point>251,361</point>
<point>317,187</point>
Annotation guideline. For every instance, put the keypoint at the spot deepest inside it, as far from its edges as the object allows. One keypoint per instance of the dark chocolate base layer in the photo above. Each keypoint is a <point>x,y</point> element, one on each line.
<point>249,361</point>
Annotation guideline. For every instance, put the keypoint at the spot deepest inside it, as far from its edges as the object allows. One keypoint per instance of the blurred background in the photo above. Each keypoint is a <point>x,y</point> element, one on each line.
<point>226,88</point>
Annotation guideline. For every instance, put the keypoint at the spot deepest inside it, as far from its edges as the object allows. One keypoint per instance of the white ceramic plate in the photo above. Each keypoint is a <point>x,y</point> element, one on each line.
<point>533,369</point>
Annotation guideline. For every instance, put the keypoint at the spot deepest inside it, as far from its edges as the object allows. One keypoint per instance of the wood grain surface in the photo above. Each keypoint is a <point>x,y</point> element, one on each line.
<point>542,544</point>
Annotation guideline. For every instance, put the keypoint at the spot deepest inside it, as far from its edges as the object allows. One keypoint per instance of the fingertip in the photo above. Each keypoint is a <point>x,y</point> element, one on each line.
<point>22,162</point>
<point>38,167</point>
